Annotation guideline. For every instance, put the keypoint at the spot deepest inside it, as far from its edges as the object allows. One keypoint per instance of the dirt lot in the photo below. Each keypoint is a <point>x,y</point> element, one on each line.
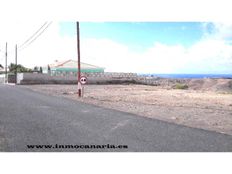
<point>194,108</point>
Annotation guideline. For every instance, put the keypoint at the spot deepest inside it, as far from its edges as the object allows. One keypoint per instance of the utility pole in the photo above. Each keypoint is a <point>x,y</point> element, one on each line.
<point>6,78</point>
<point>16,64</point>
<point>79,62</point>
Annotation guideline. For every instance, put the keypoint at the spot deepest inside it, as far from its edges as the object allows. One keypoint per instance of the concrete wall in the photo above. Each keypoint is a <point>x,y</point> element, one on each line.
<point>112,74</point>
<point>97,78</point>
<point>34,78</point>
<point>2,78</point>
<point>156,81</point>
<point>93,78</point>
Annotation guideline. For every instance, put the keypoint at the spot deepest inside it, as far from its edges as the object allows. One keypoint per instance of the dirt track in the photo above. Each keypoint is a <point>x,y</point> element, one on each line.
<point>194,108</point>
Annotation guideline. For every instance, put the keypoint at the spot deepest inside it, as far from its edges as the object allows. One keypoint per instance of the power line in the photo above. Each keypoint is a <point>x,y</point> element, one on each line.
<point>33,35</point>
<point>28,42</point>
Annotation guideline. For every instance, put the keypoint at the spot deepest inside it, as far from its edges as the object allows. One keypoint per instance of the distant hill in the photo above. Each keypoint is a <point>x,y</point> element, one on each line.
<point>217,85</point>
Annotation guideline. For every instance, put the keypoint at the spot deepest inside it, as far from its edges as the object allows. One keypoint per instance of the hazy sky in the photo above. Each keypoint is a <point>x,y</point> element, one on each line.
<point>143,47</point>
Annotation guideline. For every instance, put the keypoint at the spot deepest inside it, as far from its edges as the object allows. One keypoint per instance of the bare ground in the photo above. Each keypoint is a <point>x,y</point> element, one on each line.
<point>194,108</point>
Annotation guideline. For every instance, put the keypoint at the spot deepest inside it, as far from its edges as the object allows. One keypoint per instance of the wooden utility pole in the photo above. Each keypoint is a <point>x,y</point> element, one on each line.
<point>16,63</point>
<point>79,61</point>
<point>6,78</point>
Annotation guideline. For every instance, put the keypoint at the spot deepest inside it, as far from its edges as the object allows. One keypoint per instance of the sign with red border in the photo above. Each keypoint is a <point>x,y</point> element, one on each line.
<point>83,80</point>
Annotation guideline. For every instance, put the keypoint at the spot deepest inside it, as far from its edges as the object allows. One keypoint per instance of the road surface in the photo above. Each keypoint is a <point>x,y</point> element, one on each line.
<point>31,121</point>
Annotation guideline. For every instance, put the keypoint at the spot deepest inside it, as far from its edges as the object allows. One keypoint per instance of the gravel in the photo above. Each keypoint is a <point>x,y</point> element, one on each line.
<point>200,109</point>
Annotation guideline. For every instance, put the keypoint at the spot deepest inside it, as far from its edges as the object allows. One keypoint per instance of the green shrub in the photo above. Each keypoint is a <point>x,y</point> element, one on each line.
<point>181,86</point>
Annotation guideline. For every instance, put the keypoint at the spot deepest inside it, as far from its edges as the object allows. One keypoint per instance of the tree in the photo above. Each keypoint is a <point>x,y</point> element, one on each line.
<point>49,70</point>
<point>20,68</point>
<point>1,67</point>
<point>36,68</point>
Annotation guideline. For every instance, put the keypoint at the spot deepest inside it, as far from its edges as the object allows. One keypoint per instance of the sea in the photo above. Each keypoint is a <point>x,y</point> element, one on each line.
<point>191,76</point>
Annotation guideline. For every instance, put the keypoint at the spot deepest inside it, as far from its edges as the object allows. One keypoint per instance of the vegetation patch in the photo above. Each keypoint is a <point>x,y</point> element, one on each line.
<point>180,86</point>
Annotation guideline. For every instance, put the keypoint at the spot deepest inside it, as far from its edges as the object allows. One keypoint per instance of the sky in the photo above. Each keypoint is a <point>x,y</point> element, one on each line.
<point>140,47</point>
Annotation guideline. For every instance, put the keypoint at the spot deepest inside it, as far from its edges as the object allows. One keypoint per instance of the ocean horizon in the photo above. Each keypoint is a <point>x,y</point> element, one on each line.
<point>193,76</point>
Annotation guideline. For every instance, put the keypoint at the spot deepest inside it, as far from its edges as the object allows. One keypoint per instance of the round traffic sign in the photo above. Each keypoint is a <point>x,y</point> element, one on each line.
<point>83,80</point>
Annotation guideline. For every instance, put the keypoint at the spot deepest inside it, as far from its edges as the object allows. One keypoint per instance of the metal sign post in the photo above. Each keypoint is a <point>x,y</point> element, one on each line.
<point>79,87</point>
<point>83,81</point>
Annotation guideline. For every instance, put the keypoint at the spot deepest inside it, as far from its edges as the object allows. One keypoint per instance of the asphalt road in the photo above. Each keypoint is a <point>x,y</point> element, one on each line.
<point>31,118</point>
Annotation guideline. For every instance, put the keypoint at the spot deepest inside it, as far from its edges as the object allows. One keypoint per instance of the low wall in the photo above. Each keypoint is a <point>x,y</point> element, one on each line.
<point>34,78</point>
<point>93,78</point>
<point>156,81</point>
<point>2,78</point>
<point>97,78</point>
<point>112,74</point>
